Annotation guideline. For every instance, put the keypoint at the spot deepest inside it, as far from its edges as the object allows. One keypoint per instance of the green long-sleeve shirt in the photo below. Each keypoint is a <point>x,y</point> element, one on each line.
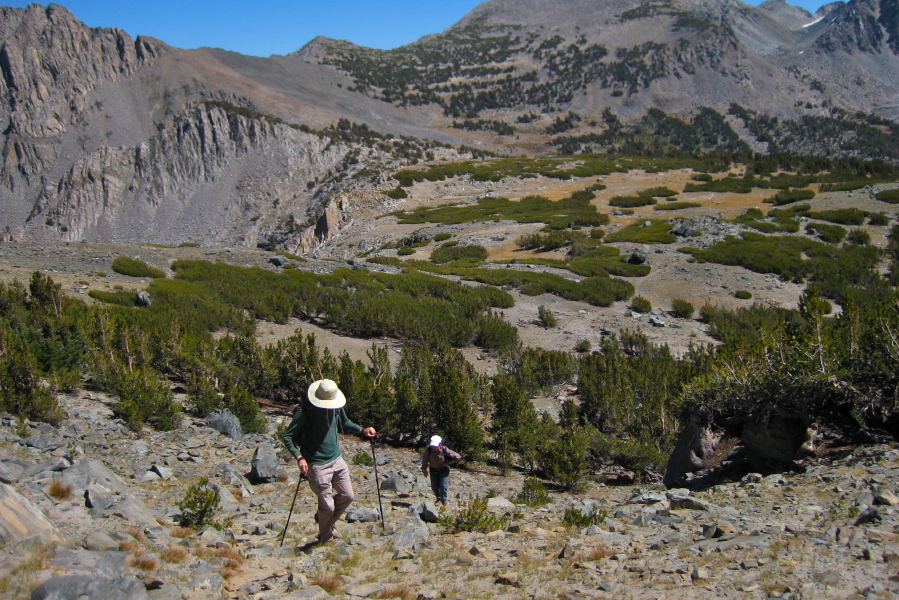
<point>312,433</point>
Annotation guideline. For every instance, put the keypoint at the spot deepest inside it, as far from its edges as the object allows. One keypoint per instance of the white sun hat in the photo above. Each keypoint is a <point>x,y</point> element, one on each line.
<point>324,393</point>
<point>435,440</point>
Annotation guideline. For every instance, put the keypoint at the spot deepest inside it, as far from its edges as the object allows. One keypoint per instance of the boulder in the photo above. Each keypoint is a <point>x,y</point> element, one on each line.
<point>75,587</point>
<point>695,444</point>
<point>224,421</point>
<point>142,298</point>
<point>638,257</point>
<point>394,482</point>
<point>22,520</point>
<point>264,467</point>
<point>278,261</point>
<point>778,439</point>
<point>94,474</point>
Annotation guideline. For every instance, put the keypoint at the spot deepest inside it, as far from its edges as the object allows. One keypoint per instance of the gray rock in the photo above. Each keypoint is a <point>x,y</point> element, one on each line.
<point>41,441</point>
<point>638,257</point>
<point>106,565</point>
<point>428,512</point>
<point>11,469</point>
<point>21,520</point>
<point>394,482</point>
<point>777,439</point>
<point>224,421</point>
<point>99,541</point>
<point>77,587</point>
<point>165,591</point>
<point>361,514</point>
<point>265,465</point>
<point>278,261</point>
<point>142,298</point>
<point>93,473</point>
<point>312,591</point>
<point>499,503</point>
<point>411,536</point>
<point>363,590</point>
<point>163,472</point>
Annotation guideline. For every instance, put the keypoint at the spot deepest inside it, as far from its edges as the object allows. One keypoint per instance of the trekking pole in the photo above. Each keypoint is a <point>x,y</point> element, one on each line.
<point>286,525</point>
<point>377,482</point>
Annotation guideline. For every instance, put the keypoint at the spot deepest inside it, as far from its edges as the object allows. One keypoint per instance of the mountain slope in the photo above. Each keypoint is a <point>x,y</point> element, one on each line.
<point>109,138</point>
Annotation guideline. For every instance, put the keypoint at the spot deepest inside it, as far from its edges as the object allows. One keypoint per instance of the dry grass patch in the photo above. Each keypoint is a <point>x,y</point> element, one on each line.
<point>144,563</point>
<point>137,533</point>
<point>329,582</point>
<point>397,591</point>
<point>131,546</point>
<point>601,552</point>
<point>174,554</point>
<point>59,490</point>
<point>233,557</point>
<point>182,532</point>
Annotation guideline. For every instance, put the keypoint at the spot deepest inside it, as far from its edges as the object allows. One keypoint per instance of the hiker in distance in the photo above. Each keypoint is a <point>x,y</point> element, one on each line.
<point>437,458</point>
<point>311,438</point>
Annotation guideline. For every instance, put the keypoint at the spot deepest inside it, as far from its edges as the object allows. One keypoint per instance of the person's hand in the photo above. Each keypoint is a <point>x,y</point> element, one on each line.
<point>369,432</point>
<point>424,472</point>
<point>303,465</point>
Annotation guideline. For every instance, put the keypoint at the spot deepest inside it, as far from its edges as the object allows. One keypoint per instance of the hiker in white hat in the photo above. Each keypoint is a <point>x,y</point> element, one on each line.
<point>311,438</point>
<point>437,459</point>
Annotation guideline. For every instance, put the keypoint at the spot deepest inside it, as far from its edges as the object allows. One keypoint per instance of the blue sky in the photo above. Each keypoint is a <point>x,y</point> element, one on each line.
<point>264,27</point>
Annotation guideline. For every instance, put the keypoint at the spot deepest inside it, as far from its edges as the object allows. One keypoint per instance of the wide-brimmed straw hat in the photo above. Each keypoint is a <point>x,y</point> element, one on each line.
<point>436,440</point>
<point>324,393</point>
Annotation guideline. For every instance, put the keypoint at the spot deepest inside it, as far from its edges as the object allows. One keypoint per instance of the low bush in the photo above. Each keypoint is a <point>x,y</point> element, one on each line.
<point>790,196</point>
<point>641,305</point>
<point>659,192</point>
<point>547,319</point>
<point>658,232</point>
<point>132,267</point>
<point>397,193</point>
<point>532,493</point>
<point>576,518</point>
<point>858,236</point>
<point>879,219</point>
<point>442,237</point>
<point>445,254</point>
<point>583,346</point>
<point>889,196</point>
<point>743,294</point>
<point>473,515</point>
<point>199,505</point>
<point>631,201</point>
<point>682,309</point>
<point>676,206</point>
<point>832,234</point>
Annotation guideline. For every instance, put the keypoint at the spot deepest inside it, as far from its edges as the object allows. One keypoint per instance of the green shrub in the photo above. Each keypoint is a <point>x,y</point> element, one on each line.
<point>858,236</point>
<point>582,346</point>
<point>890,196</point>
<point>133,267</point>
<point>473,515</point>
<point>199,505</point>
<point>658,232</point>
<point>119,297</point>
<point>641,305</point>
<point>676,206</point>
<point>441,237</point>
<point>682,309</point>
<point>546,318</point>
<point>879,219</point>
<point>397,193</point>
<point>575,518</point>
<point>631,201</point>
<point>363,459</point>
<point>790,196</point>
<point>405,251</point>
<point>743,294</point>
<point>533,493</point>
<point>445,254</point>
<point>832,234</point>
<point>658,192</point>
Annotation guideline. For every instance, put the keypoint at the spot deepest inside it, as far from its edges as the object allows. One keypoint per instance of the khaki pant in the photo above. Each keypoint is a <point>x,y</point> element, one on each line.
<point>331,483</point>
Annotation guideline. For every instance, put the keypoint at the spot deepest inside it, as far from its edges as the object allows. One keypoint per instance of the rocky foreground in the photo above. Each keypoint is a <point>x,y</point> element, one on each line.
<point>830,532</point>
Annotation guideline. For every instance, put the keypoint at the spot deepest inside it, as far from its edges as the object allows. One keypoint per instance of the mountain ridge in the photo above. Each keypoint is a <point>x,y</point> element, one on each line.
<point>81,105</point>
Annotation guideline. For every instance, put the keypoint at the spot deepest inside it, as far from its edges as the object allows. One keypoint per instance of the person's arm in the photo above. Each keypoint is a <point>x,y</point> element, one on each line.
<point>348,425</point>
<point>290,434</point>
<point>424,461</point>
<point>451,456</point>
